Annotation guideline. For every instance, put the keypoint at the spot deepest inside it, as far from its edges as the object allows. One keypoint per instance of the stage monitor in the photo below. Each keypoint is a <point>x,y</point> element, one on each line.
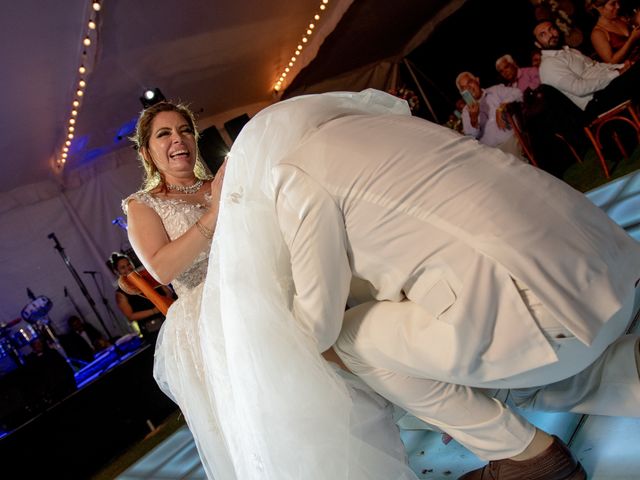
<point>234,125</point>
<point>212,148</point>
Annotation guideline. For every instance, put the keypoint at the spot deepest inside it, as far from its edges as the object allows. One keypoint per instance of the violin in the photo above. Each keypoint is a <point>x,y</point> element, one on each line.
<point>143,284</point>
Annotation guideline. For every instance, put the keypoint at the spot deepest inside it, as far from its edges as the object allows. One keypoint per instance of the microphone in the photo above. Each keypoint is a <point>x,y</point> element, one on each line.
<point>90,272</point>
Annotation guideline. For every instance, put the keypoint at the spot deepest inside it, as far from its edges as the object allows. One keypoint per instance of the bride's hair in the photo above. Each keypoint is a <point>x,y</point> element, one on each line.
<point>152,177</point>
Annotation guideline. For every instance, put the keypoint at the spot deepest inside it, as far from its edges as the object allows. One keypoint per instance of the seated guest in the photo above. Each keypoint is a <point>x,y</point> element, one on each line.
<point>594,87</point>
<point>613,38</point>
<point>83,340</point>
<point>455,118</point>
<point>133,304</point>
<point>536,58</point>
<point>514,76</point>
<point>483,116</point>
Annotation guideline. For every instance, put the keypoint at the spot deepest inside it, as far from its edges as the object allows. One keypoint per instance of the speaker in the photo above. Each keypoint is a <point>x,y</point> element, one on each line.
<point>234,125</point>
<point>212,148</point>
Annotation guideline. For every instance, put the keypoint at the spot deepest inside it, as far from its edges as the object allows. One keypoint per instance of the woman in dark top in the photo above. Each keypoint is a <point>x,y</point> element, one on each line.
<point>133,304</point>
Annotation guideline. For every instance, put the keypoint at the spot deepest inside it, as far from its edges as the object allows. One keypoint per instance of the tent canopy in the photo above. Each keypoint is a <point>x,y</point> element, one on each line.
<point>222,57</point>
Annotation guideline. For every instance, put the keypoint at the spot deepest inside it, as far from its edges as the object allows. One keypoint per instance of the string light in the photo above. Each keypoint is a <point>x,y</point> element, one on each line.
<point>91,25</point>
<point>305,39</point>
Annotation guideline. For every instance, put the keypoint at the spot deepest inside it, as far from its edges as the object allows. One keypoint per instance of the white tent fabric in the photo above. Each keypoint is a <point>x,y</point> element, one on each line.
<point>221,56</point>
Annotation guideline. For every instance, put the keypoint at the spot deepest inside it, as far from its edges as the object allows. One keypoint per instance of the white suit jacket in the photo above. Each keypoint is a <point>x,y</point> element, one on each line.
<point>427,215</point>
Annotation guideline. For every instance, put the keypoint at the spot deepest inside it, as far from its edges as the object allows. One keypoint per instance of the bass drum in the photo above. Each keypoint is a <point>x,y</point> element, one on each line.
<point>7,357</point>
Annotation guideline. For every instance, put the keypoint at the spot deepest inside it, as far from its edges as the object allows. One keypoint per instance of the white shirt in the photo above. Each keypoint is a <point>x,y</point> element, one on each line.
<point>488,131</point>
<point>424,214</point>
<point>575,74</point>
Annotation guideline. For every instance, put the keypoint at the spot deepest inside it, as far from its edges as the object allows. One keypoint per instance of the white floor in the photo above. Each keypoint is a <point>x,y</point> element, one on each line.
<point>608,447</point>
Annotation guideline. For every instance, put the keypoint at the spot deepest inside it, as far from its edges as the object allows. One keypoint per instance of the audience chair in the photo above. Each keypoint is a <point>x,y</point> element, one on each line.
<point>515,117</point>
<point>626,113</point>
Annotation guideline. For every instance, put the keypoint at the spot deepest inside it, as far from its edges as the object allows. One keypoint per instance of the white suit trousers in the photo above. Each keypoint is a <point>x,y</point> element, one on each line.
<point>601,379</point>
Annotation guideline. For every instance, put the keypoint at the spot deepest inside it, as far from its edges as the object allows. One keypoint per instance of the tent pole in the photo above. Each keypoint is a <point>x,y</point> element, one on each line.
<point>422,94</point>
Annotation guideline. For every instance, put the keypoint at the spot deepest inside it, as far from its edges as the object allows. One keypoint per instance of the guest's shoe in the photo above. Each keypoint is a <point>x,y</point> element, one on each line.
<point>555,463</point>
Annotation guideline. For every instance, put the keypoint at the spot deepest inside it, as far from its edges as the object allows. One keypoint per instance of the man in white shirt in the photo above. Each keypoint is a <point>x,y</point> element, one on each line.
<point>482,272</point>
<point>593,86</point>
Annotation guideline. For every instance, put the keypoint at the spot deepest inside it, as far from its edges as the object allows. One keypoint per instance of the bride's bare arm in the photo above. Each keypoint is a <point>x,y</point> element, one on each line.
<point>163,258</point>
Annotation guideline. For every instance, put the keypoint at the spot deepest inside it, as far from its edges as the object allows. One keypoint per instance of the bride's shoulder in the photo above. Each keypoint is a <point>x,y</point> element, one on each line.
<point>145,198</point>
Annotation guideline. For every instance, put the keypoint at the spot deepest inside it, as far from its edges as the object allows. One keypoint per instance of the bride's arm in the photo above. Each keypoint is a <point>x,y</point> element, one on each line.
<point>163,258</point>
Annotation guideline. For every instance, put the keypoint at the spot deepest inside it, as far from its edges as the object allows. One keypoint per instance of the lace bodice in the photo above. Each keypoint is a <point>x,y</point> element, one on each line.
<point>177,217</point>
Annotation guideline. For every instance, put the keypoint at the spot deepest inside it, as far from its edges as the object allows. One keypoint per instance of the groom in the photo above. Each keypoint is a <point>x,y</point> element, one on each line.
<point>481,271</point>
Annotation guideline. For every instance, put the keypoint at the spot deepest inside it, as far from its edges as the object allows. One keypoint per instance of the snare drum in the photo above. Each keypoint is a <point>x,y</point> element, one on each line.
<point>21,336</point>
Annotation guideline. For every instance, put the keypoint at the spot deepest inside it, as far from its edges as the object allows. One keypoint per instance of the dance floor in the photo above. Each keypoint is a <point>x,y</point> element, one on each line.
<point>607,447</point>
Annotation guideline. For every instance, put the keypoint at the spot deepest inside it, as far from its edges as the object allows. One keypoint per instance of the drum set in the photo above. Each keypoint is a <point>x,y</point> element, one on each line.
<point>17,336</point>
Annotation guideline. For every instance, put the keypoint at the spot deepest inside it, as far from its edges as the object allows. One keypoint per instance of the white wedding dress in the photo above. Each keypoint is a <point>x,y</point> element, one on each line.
<point>257,396</point>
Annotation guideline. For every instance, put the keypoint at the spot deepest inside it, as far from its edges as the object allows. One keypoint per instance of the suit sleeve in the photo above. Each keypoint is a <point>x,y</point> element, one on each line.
<point>313,228</point>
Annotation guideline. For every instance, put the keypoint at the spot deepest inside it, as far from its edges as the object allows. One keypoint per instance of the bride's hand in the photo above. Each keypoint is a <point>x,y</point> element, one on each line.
<point>216,183</point>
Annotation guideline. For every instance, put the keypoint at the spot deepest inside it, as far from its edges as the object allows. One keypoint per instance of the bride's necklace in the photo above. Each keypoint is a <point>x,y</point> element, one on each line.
<point>188,189</point>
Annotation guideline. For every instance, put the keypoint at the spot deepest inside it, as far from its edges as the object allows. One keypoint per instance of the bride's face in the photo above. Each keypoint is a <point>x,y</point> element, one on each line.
<point>172,145</point>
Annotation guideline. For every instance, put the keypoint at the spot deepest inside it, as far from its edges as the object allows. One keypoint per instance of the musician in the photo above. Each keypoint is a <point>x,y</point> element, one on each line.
<point>83,340</point>
<point>132,302</point>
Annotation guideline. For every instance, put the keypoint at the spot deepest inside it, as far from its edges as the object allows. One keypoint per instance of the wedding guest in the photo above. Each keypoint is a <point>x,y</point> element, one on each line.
<point>522,78</point>
<point>613,38</point>
<point>484,115</point>
<point>594,87</point>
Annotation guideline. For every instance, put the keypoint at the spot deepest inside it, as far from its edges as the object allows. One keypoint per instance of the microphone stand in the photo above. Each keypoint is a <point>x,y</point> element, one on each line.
<point>100,290</point>
<point>75,305</point>
<point>78,280</point>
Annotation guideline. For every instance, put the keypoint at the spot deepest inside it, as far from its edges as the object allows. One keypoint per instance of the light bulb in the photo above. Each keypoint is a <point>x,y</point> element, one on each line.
<point>287,69</point>
<point>92,25</point>
<point>75,103</point>
<point>312,26</point>
<point>71,128</point>
<point>74,113</point>
<point>96,6</point>
<point>309,32</point>
<point>316,17</point>
<point>82,83</point>
<point>70,136</point>
<point>322,7</point>
<point>80,93</point>
<point>86,41</point>
<point>82,69</point>
<point>304,39</point>
<point>68,143</point>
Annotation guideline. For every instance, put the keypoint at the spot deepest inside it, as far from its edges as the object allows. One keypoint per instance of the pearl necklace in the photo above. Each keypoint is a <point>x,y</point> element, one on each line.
<point>188,190</point>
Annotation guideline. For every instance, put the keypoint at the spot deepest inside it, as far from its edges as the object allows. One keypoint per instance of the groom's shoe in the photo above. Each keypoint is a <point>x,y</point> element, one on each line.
<point>555,463</point>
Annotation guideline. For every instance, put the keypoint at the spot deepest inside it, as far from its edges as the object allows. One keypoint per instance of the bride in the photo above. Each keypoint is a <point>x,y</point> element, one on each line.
<point>257,395</point>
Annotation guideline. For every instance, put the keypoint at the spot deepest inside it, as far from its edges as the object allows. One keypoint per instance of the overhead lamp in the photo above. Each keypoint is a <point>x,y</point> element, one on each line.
<point>151,97</point>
